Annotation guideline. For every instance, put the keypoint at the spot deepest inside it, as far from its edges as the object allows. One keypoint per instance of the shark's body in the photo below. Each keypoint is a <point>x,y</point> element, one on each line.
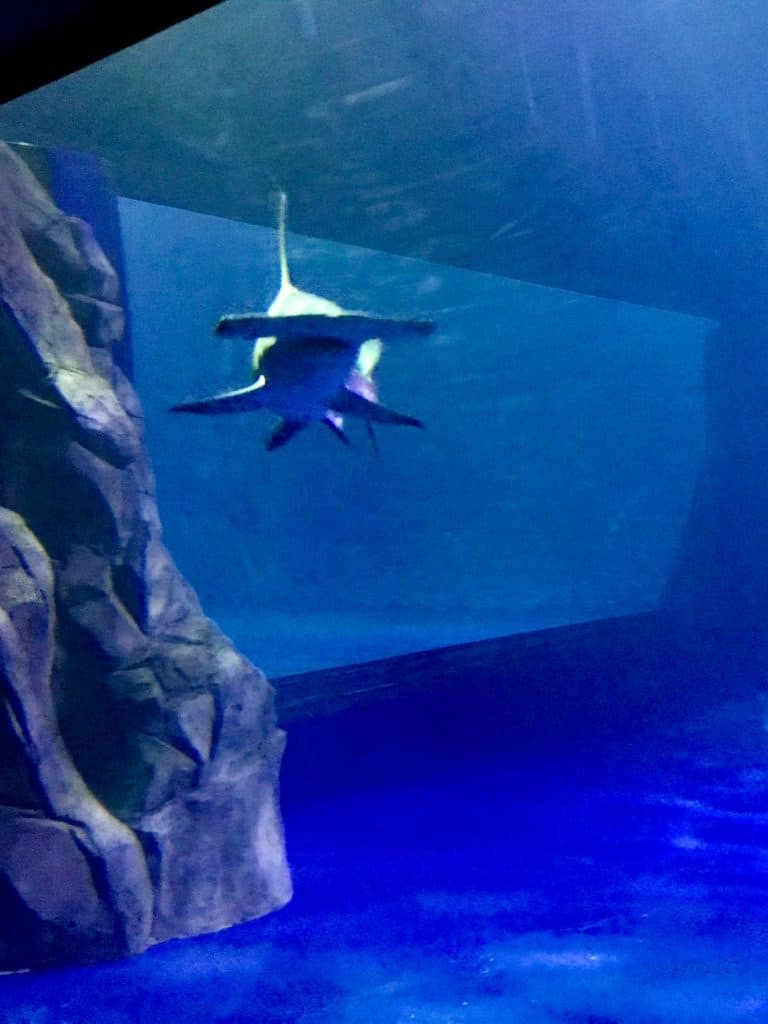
<point>312,361</point>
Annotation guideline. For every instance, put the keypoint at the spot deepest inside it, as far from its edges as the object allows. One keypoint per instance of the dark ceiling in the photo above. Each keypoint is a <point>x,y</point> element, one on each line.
<point>617,148</point>
<point>42,40</point>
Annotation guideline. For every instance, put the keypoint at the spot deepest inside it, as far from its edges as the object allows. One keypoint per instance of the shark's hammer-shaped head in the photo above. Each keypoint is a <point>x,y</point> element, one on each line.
<point>312,361</point>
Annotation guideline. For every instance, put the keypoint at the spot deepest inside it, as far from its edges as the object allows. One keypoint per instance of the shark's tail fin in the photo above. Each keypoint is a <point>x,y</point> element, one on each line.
<point>285,275</point>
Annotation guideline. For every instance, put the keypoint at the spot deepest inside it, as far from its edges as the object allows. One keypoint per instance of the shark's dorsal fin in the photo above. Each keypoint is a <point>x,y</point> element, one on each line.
<point>285,274</point>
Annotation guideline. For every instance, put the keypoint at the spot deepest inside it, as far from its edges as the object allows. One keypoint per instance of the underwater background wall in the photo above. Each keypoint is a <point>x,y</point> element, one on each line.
<point>443,536</point>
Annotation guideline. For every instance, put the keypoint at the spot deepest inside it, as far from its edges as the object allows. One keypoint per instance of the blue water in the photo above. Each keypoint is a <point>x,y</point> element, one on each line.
<point>583,458</point>
<point>553,881</point>
<point>564,435</point>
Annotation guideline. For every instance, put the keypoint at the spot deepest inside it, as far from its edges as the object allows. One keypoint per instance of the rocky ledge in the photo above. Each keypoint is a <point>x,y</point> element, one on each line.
<point>139,754</point>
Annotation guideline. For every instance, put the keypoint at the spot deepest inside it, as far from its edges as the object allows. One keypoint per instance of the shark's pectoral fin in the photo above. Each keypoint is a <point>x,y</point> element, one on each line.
<point>350,402</point>
<point>283,432</point>
<point>242,400</point>
<point>335,424</point>
<point>351,328</point>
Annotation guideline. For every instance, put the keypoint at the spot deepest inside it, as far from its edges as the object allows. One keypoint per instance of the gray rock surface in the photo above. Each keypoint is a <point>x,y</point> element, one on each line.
<point>139,754</point>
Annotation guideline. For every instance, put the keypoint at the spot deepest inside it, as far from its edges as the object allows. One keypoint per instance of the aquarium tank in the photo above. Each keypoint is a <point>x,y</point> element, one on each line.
<point>383,571</point>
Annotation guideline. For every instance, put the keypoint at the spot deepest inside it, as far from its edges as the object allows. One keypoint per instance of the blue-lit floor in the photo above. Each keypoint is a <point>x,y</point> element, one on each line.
<point>560,884</point>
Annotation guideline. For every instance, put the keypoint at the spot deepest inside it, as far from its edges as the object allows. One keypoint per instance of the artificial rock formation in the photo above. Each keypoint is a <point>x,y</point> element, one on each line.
<point>139,754</point>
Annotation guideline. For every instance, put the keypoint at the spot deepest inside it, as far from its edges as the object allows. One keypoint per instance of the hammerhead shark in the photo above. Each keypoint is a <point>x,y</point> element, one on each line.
<point>312,361</point>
